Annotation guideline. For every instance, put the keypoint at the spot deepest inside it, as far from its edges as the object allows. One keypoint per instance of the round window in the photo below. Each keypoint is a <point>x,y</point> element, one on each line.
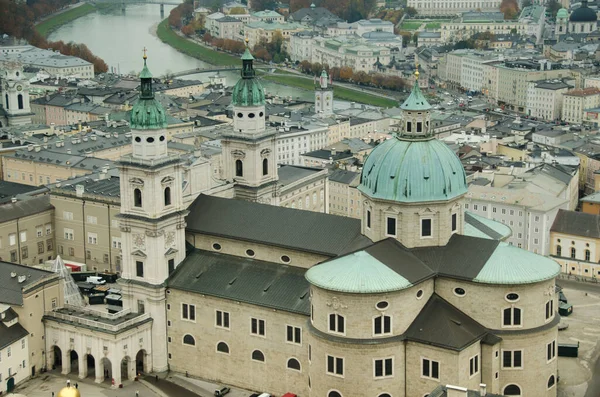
<point>512,297</point>
<point>250,252</point>
<point>382,305</point>
<point>251,115</point>
<point>419,294</point>
<point>149,139</point>
<point>138,139</point>
<point>459,291</point>
<point>261,114</point>
<point>162,138</point>
<point>240,115</point>
<point>216,246</point>
<point>285,259</point>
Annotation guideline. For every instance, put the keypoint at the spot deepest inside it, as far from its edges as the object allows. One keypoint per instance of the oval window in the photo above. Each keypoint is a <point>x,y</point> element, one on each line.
<point>419,294</point>
<point>250,252</point>
<point>138,139</point>
<point>512,297</point>
<point>382,305</point>
<point>251,115</point>
<point>240,115</point>
<point>162,138</point>
<point>149,139</point>
<point>261,114</point>
<point>285,259</point>
<point>459,291</point>
<point>216,246</point>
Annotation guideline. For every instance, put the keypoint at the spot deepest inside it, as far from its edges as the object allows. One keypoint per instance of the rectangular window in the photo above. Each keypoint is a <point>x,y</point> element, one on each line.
<point>430,369</point>
<point>257,327</point>
<point>337,323</point>
<point>71,251</point>
<point>475,207</point>
<point>390,226</point>
<point>116,242</point>
<point>503,211</point>
<point>467,206</point>
<point>368,219</point>
<point>68,215</point>
<point>335,365</point>
<point>40,246</point>
<point>139,268</point>
<point>549,309</point>
<point>454,222</point>
<point>48,229</point>
<point>12,239</point>
<point>494,210</point>
<point>92,238</point>
<point>222,319</point>
<point>92,220</point>
<point>474,365</point>
<point>425,227</point>
<point>23,236</point>
<point>49,245</point>
<point>69,234</point>
<point>512,359</point>
<point>171,265</point>
<point>551,350</point>
<point>188,312</point>
<point>39,232</point>
<point>24,252</point>
<point>383,368</point>
<point>294,334</point>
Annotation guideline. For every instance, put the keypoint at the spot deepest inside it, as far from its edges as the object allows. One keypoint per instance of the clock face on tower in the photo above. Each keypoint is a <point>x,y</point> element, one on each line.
<point>19,88</point>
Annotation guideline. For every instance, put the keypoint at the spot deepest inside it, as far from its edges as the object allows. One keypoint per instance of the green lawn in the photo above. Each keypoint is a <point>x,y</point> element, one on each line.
<point>46,27</point>
<point>410,25</point>
<point>433,25</point>
<point>197,51</point>
<point>339,92</point>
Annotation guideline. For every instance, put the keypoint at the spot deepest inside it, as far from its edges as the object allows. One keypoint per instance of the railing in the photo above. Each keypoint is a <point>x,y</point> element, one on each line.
<point>97,313</point>
<point>74,318</point>
<point>584,279</point>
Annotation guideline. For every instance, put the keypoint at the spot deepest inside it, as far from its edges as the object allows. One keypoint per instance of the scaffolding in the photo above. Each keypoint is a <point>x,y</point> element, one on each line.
<point>71,291</point>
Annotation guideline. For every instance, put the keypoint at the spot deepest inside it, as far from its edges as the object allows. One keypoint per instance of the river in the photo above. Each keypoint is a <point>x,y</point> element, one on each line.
<point>118,37</point>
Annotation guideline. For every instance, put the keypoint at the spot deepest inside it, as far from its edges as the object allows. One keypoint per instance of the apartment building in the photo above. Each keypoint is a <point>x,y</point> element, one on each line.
<point>294,141</point>
<point>575,243</point>
<point>465,68</point>
<point>26,231</point>
<point>14,351</point>
<point>87,228</point>
<point>575,102</point>
<point>545,98</point>
<point>452,7</point>
<point>53,62</point>
<point>226,27</point>
<point>255,32</point>
<point>344,197</point>
<point>589,156</point>
<point>528,214</point>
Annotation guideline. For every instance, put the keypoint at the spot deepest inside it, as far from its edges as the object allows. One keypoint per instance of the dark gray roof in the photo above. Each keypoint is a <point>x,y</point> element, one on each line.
<point>9,315</point>
<point>248,280</point>
<point>470,219</point>
<point>12,334</point>
<point>284,227</point>
<point>326,154</point>
<point>109,187</point>
<point>10,288</point>
<point>441,391</point>
<point>23,208</point>
<point>315,13</point>
<point>289,174</point>
<point>8,190</point>
<point>577,224</point>
<point>443,325</point>
<point>343,176</point>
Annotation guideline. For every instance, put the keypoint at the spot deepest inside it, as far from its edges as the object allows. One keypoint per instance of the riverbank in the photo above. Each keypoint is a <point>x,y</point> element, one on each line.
<point>55,21</point>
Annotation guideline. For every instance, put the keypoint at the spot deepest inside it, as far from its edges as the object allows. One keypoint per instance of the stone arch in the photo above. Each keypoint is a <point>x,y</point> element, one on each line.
<point>128,368</point>
<point>55,359</point>
<point>20,101</point>
<point>141,362</point>
<point>107,370</point>
<point>90,362</point>
<point>512,390</point>
<point>73,361</point>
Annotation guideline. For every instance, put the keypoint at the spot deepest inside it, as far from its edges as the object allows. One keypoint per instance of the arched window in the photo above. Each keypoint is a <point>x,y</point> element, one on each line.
<point>384,395</point>
<point>6,97</point>
<point>239,168</point>
<point>189,340</point>
<point>265,167</point>
<point>382,325</point>
<point>257,355</point>
<point>512,390</point>
<point>558,250</point>
<point>551,381</point>
<point>511,317</point>
<point>587,255</point>
<point>337,323</point>
<point>137,198</point>
<point>222,347</point>
<point>20,101</point>
<point>573,253</point>
<point>167,196</point>
<point>293,364</point>
<point>334,393</point>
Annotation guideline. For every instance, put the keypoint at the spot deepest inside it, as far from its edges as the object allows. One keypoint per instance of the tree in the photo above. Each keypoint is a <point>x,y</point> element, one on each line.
<point>405,38</point>
<point>237,11</point>
<point>334,72</point>
<point>553,6</point>
<point>510,8</point>
<point>296,5</point>
<point>415,38</point>
<point>361,78</point>
<point>207,38</point>
<point>346,73</point>
<point>305,67</point>
<point>260,5</point>
<point>188,30</point>
<point>410,11</point>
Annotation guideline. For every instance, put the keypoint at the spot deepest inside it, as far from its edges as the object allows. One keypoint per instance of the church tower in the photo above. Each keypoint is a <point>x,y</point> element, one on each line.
<point>15,95</point>
<point>152,215</point>
<point>324,96</point>
<point>249,150</point>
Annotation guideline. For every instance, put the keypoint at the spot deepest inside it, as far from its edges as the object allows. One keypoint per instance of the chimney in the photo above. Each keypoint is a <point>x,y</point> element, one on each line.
<point>37,148</point>
<point>79,190</point>
<point>93,137</point>
<point>14,199</point>
<point>482,389</point>
<point>456,391</point>
<point>29,148</point>
<point>333,152</point>
<point>68,151</point>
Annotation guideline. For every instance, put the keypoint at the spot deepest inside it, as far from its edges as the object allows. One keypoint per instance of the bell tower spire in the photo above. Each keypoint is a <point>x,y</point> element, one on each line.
<point>416,114</point>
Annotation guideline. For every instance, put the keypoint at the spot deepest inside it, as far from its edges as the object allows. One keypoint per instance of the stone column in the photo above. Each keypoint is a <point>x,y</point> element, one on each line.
<point>116,374</point>
<point>131,369</point>
<point>99,368</point>
<point>83,369</point>
<point>66,361</point>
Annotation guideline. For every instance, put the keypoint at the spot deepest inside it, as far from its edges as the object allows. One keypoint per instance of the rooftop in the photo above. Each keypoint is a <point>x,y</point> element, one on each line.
<point>583,92</point>
<point>577,224</point>
<point>11,290</point>
<point>24,208</point>
<point>8,190</point>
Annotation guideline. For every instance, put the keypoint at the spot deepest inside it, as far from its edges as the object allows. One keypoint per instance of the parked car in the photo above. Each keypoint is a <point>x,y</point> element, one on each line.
<point>95,280</point>
<point>289,395</point>
<point>565,309</point>
<point>222,391</point>
<point>265,395</point>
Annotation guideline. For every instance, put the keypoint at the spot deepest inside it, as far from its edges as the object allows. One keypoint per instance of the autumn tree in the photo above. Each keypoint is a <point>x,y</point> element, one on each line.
<point>361,78</point>
<point>305,67</point>
<point>346,73</point>
<point>405,38</point>
<point>237,11</point>
<point>188,30</point>
<point>510,8</point>
<point>207,38</point>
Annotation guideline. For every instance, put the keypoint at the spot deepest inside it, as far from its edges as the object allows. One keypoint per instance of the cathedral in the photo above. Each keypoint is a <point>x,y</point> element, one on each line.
<point>276,299</point>
<point>14,94</point>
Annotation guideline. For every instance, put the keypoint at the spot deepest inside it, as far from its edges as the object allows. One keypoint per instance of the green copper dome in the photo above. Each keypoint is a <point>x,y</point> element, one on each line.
<point>248,91</point>
<point>416,100</point>
<point>409,170</point>
<point>562,13</point>
<point>147,113</point>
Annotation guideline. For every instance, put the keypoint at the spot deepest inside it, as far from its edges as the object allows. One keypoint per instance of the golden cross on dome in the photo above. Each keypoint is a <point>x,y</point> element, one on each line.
<point>416,68</point>
<point>144,51</point>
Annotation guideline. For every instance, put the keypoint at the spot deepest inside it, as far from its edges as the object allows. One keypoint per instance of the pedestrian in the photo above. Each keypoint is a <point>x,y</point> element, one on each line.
<point>76,385</point>
<point>137,393</point>
<point>156,378</point>
<point>52,394</point>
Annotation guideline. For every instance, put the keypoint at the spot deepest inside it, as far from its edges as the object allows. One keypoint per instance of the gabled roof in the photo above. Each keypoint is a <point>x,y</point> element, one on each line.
<point>577,224</point>
<point>25,208</point>
<point>443,325</point>
<point>315,232</point>
<point>247,280</point>
<point>12,334</point>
